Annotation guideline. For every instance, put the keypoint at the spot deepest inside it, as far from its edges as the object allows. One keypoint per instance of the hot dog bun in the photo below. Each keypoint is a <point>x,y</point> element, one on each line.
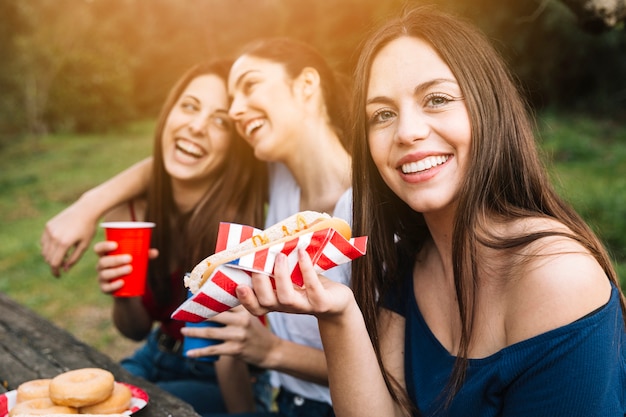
<point>298,224</point>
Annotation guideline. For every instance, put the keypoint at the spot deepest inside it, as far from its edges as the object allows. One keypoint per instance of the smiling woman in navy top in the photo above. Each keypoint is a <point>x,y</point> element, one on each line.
<point>483,292</point>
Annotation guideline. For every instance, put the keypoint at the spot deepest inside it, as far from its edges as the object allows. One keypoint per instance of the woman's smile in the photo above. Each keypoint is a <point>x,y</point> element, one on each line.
<point>423,164</point>
<point>189,148</point>
<point>252,126</point>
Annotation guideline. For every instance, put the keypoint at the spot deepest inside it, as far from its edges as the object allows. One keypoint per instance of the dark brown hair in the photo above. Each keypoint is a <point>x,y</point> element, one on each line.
<point>296,55</point>
<point>237,193</point>
<point>506,176</point>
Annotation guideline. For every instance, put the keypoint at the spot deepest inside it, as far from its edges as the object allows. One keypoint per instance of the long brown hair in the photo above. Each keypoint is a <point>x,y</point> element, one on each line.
<point>237,193</point>
<point>506,178</point>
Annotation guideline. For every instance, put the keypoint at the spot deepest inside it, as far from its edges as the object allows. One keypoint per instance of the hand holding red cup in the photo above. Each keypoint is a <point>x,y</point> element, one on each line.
<point>132,238</point>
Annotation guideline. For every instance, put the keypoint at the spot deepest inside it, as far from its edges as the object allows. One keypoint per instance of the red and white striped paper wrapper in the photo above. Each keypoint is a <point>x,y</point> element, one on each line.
<point>327,249</point>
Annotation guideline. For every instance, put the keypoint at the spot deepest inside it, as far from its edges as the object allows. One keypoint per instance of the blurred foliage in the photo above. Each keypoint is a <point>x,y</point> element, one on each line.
<point>88,65</point>
<point>11,116</point>
<point>91,94</point>
<point>586,156</point>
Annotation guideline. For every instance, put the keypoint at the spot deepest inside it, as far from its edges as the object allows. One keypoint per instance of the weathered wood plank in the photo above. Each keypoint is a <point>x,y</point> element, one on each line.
<point>31,347</point>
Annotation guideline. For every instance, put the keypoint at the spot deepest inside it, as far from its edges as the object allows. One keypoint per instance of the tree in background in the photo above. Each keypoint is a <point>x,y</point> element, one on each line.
<point>598,15</point>
<point>11,118</point>
<point>74,72</point>
<point>90,65</point>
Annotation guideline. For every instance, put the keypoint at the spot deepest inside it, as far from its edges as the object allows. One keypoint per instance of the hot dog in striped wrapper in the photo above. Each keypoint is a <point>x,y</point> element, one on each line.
<point>214,280</point>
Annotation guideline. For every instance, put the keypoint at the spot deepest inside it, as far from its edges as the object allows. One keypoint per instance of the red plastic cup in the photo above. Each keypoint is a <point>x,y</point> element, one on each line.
<point>132,238</point>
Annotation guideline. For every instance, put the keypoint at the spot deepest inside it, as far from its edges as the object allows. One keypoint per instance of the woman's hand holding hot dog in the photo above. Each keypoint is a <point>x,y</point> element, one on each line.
<point>319,296</point>
<point>246,338</point>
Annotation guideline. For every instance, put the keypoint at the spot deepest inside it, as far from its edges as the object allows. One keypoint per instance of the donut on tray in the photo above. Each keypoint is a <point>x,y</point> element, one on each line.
<point>40,407</point>
<point>117,402</point>
<point>81,387</point>
<point>37,388</point>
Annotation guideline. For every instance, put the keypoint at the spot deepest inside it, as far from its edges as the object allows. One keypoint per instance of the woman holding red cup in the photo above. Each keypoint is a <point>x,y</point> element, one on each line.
<point>202,173</point>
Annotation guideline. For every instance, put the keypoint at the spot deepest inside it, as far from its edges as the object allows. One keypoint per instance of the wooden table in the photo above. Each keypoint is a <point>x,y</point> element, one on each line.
<point>31,347</point>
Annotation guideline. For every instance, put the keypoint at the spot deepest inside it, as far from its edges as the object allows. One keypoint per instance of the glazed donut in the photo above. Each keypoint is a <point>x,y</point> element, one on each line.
<point>118,402</point>
<point>37,388</point>
<point>81,387</point>
<point>40,407</point>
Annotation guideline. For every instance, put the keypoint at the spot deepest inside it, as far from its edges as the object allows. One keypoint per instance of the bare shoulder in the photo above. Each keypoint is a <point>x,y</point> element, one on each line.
<point>556,282</point>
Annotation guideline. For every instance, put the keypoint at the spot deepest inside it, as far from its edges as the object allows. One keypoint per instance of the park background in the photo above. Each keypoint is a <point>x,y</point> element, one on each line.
<point>82,82</point>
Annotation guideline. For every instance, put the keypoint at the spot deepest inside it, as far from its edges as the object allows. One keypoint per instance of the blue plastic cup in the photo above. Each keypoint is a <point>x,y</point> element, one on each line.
<point>200,342</point>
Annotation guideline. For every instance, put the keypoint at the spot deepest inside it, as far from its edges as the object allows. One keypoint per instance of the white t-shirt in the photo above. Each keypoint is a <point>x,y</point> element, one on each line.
<point>284,201</point>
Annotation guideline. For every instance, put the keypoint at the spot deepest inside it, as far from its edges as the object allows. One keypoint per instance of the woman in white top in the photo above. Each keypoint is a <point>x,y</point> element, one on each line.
<point>291,107</point>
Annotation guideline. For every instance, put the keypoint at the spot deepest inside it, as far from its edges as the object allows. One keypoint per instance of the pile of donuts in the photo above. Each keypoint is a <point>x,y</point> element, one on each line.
<point>91,391</point>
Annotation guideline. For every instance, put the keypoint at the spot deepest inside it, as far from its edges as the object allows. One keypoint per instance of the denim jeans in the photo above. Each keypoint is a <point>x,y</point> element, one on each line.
<point>290,405</point>
<point>190,380</point>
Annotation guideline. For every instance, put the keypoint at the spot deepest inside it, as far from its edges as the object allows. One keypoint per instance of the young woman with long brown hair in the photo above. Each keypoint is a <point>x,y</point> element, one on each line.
<point>202,173</point>
<point>482,293</point>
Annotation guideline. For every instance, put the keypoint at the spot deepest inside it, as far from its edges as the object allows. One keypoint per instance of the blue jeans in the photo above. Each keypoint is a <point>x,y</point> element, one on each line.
<point>290,405</point>
<point>191,380</point>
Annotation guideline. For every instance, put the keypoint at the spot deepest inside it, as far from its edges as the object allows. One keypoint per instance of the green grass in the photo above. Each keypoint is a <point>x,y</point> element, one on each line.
<point>587,159</point>
<point>41,176</point>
